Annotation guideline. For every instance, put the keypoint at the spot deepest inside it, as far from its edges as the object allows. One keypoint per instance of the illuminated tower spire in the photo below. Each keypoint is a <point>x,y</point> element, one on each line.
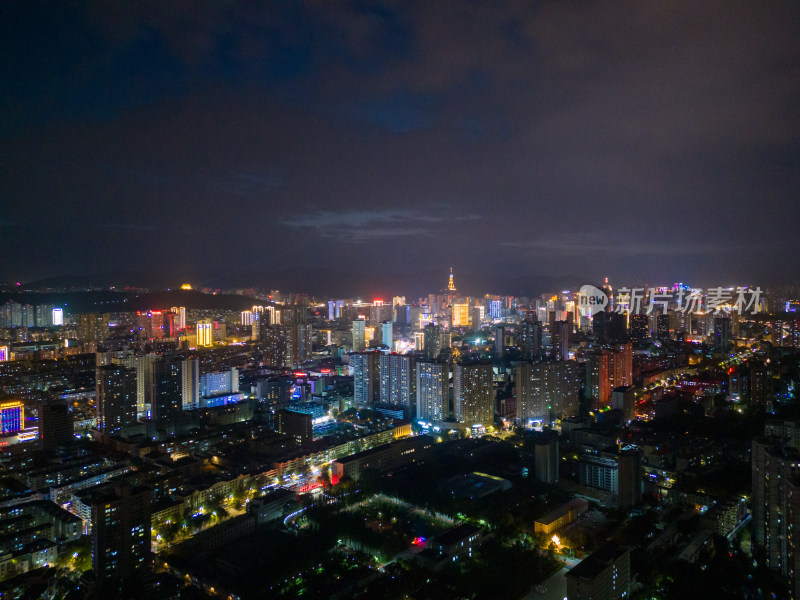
<point>451,287</point>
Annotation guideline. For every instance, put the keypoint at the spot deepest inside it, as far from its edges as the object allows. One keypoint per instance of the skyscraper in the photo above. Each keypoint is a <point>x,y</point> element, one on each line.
<point>722,334</point>
<point>387,336</point>
<point>120,533</point>
<point>547,390</point>
<point>398,381</point>
<point>473,394</point>
<point>205,335</point>
<point>433,390</point>
<point>359,335</point>
<point>56,426</point>
<point>366,378</point>
<point>775,502</point>
<point>662,327</point>
<point>629,477</point>
<point>639,326</point>
<point>115,398</point>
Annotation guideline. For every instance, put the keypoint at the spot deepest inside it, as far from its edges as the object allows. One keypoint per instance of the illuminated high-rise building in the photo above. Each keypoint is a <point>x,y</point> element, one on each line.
<point>4,353</point>
<point>460,314</point>
<point>560,336</point>
<point>180,317</point>
<point>275,344</point>
<point>205,335</point>
<point>93,327</point>
<point>775,501</point>
<point>495,306</point>
<point>115,398</point>
<point>12,416</point>
<point>722,334</point>
<point>433,390</point>
<point>387,336</point>
<point>397,381</point>
<point>547,391</point>
<point>639,328</point>
<point>246,318</point>
<point>662,327</point>
<point>359,335</point>
<point>58,317</point>
<point>366,377</point>
<point>473,394</point>
<point>298,343</point>
<point>176,387</point>
<point>398,301</point>
<point>120,534</point>
<point>451,286</point>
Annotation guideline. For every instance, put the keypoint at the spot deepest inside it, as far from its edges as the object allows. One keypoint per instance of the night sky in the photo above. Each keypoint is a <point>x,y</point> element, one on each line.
<point>371,145</point>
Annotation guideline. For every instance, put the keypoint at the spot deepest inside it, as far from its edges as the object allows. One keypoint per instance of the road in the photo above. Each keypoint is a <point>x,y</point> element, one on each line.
<point>555,587</point>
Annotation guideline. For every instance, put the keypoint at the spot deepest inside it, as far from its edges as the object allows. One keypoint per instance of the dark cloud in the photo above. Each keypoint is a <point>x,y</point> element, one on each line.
<point>504,137</point>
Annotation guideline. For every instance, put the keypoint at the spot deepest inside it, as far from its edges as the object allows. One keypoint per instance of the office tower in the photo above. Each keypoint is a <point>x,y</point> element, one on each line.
<point>603,574</point>
<point>495,307</point>
<point>722,334</point>
<point>93,327</point>
<point>190,383</point>
<point>629,477</point>
<point>297,425</point>
<point>120,533</point>
<point>639,328</point>
<point>473,395</point>
<point>180,317</point>
<point>433,390</point>
<point>546,460</point>
<point>546,391</point>
<point>366,378</point>
<point>560,335</point>
<point>205,335</point>
<point>115,398</point>
<point>624,398</point>
<point>151,324</point>
<point>662,327</point>
<point>398,381</point>
<point>775,501</point>
<point>387,334</point>
<point>460,314</point>
<point>359,335</point>
<point>56,426</point>
<point>12,416</point>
